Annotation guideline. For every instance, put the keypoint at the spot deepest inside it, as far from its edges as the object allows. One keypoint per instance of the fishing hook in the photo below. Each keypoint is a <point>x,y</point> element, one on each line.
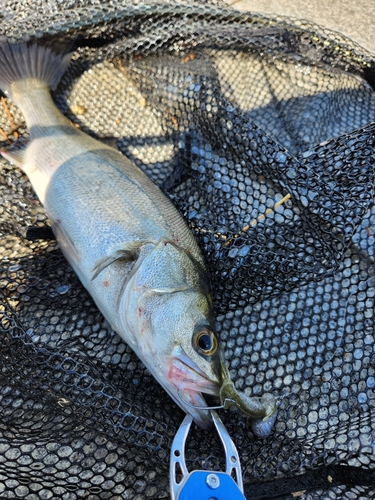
<point>205,407</point>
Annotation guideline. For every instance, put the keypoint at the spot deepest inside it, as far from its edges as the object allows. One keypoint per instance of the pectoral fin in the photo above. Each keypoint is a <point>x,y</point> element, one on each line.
<point>176,288</point>
<point>127,252</point>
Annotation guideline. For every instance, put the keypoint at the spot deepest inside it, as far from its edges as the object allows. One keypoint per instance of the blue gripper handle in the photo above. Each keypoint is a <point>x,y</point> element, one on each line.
<point>208,485</point>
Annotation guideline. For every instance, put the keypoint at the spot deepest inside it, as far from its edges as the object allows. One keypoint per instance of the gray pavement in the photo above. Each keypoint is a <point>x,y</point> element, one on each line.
<point>353,18</point>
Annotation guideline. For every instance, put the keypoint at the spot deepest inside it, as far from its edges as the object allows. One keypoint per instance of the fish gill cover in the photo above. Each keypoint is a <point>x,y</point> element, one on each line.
<point>260,131</point>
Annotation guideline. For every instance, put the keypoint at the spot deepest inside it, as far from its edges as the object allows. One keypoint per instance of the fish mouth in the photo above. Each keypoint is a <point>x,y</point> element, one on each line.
<point>188,383</point>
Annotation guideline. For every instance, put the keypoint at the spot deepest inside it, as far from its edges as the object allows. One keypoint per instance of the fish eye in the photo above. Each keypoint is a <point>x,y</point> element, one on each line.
<point>205,342</point>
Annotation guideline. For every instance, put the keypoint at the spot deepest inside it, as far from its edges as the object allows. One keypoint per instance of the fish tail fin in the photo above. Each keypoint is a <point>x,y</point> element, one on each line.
<point>21,61</point>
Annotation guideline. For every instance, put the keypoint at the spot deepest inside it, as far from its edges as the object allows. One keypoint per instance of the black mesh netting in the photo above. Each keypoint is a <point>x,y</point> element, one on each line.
<point>229,112</point>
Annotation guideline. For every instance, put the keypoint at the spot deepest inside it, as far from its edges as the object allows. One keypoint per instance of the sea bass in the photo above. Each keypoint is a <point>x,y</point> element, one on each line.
<point>123,237</point>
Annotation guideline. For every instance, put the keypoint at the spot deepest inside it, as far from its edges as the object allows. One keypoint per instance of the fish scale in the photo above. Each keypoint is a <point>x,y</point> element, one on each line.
<point>128,211</point>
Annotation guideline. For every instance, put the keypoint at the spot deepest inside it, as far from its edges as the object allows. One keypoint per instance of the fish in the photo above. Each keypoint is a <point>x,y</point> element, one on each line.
<point>126,241</point>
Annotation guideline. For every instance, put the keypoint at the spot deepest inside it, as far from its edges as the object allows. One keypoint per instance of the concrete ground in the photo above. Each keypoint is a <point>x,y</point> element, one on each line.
<point>353,18</point>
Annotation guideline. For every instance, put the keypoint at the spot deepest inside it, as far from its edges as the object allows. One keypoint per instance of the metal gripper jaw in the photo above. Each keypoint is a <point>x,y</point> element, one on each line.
<point>201,484</point>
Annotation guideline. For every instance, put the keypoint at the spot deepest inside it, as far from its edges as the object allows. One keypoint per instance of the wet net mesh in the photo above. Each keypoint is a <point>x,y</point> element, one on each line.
<point>261,132</point>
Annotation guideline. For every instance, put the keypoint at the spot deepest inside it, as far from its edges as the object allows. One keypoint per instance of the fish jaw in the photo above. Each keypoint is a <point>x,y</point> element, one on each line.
<point>184,382</point>
<point>188,383</point>
<point>188,377</point>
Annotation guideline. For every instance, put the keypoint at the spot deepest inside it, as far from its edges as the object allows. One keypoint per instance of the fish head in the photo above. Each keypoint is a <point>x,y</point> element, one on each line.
<point>188,350</point>
<point>168,310</point>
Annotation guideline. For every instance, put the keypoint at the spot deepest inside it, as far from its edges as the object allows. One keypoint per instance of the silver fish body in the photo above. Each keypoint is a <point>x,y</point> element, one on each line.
<point>137,258</point>
<point>127,243</point>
